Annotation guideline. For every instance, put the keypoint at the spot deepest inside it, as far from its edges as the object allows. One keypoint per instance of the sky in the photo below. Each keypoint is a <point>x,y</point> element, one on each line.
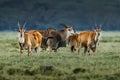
<point>42,14</point>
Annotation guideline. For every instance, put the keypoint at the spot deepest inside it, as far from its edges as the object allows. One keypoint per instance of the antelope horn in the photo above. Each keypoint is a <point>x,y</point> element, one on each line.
<point>74,29</point>
<point>18,25</point>
<point>63,24</point>
<point>100,26</point>
<point>24,25</point>
<point>95,25</point>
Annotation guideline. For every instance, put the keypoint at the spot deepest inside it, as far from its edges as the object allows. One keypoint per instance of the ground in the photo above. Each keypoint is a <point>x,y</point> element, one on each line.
<point>63,65</point>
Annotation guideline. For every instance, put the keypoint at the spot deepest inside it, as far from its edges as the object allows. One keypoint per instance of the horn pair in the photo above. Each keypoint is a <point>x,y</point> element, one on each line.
<point>96,26</point>
<point>23,25</point>
<point>66,26</point>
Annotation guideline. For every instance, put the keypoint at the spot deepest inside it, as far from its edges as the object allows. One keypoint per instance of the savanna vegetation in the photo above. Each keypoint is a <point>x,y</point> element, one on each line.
<point>63,65</point>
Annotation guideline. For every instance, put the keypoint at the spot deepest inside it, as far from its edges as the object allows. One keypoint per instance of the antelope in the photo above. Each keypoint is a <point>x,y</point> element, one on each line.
<point>27,40</point>
<point>87,39</point>
<point>59,37</point>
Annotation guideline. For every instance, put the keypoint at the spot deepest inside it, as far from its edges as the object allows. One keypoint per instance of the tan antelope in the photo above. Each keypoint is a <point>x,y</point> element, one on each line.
<point>28,40</point>
<point>87,39</point>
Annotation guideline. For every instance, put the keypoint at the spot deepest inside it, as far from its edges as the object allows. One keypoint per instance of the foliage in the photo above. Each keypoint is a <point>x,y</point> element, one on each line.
<point>42,14</point>
<point>63,65</point>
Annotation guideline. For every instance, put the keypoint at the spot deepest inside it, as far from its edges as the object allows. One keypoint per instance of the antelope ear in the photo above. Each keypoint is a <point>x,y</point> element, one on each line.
<point>24,30</point>
<point>18,25</point>
<point>17,30</point>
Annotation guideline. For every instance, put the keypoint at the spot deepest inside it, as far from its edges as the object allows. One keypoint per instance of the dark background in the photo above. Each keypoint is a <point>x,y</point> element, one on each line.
<point>42,14</point>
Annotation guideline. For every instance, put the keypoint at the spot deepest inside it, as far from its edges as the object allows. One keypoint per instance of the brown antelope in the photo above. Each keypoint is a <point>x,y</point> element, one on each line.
<point>45,34</point>
<point>28,40</point>
<point>58,38</point>
<point>87,39</point>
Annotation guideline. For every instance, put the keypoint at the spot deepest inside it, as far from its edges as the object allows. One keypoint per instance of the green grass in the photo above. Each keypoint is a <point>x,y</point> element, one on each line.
<point>63,65</point>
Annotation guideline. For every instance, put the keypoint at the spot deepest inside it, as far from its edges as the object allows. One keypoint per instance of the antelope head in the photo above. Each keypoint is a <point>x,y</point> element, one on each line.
<point>98,29</point>
<point>21,32</point>
<point>69,29</point>
<point>98,33</point>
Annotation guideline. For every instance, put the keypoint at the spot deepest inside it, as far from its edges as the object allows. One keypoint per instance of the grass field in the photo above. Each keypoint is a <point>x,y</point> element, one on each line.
<point>63,65</point>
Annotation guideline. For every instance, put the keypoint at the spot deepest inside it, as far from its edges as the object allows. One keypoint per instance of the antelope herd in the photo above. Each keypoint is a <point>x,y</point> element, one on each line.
<point>52,39</point>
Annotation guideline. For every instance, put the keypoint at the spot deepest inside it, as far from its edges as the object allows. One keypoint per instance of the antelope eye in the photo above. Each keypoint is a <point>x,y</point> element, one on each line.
<point>98,34</point>
<point>69,30</point>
